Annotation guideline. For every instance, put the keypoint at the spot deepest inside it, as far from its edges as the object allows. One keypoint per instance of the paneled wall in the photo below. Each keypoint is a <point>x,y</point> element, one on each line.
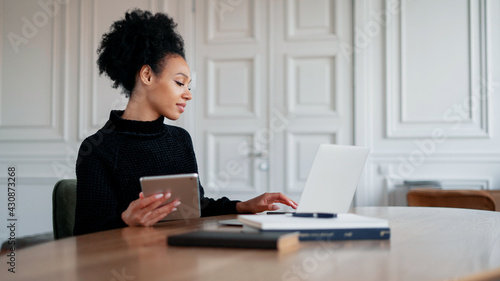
<point>51,96</point>
<point>315,89</point>
<point>416,81</point>
<point>272,84</point>
<point>427,77</point>
<point>231,94</point>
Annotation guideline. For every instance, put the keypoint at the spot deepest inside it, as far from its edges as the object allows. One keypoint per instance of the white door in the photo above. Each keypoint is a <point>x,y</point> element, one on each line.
<point>271,85</point>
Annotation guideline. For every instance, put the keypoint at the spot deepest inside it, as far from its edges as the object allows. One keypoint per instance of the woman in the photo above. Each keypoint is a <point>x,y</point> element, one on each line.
<point>144,56</point>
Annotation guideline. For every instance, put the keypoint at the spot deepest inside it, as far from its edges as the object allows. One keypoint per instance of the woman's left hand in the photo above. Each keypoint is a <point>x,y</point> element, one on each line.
<point>264,202</point>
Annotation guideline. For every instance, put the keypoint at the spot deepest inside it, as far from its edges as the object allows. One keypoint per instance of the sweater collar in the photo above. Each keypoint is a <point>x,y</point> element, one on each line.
<point>117,123</point>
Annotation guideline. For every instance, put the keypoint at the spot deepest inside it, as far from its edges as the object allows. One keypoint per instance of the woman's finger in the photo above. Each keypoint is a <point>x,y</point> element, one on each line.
<point>154,205</point>
<point>156,211</point>
<point>281,198</point>
<point>138,209</point>
<point>152,199</point>
<point>159,213</point>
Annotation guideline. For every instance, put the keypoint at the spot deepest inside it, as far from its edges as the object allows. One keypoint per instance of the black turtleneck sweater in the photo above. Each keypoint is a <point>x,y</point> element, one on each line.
<point>111,161</point>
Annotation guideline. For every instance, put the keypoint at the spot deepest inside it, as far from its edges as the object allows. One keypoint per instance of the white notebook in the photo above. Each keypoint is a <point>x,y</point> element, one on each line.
<point>288,222</point>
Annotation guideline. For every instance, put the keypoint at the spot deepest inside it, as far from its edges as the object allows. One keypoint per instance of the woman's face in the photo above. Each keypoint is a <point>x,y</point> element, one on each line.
<point>170,91</point>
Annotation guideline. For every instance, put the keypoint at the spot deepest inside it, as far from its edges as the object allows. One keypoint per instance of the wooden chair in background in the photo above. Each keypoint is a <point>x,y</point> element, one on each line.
<point>470,199</point>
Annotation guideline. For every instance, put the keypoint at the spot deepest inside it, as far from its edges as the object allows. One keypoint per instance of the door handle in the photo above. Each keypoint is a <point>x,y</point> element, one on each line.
<point>259,154</point>
<point>263,155</point>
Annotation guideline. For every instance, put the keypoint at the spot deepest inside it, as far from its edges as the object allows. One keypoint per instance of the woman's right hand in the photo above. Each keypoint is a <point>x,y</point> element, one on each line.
<point>145,212</point>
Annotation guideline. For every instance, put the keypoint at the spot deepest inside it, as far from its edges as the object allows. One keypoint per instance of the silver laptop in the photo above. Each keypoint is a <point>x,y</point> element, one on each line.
<point>333,179</point>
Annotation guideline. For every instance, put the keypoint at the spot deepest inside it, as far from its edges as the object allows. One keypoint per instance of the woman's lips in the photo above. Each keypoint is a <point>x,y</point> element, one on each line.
<point>181,106</point>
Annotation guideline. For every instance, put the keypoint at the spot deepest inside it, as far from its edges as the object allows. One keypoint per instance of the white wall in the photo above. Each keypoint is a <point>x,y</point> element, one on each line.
<point>51,96</point>
<point>414,67</point>
<point>427,77</point>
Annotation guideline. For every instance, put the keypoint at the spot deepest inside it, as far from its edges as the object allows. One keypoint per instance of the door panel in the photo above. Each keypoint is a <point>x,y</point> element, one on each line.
<point>230,98</point>
<point>272,85</point>
<point>312,85</point>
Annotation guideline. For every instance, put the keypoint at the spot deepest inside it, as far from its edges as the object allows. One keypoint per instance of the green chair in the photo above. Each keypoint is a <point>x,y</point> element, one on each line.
<point>63,208</point>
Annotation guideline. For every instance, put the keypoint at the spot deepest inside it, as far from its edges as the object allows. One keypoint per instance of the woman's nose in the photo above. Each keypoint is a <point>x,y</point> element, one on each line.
<point>187,95</point>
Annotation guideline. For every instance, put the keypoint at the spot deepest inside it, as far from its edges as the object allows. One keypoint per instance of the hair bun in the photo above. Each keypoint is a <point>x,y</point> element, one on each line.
<point>139,39</point>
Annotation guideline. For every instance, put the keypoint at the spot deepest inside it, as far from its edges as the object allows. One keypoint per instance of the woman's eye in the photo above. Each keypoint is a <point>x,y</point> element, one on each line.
<point>179,83</point>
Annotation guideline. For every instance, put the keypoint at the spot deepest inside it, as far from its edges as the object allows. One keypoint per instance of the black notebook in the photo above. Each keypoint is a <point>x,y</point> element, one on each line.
<point>254,240</point>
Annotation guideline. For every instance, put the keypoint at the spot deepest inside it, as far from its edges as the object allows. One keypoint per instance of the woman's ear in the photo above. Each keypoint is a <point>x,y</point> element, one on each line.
<point>146,75</point>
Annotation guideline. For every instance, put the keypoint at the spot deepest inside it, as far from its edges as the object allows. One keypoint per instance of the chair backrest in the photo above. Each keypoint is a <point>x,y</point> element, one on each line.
<point>63,208</point>
<point>470,199</point>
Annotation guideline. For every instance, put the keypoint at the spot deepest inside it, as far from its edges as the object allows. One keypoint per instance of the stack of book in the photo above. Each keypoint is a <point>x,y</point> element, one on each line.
<point>282,232</point>
<point>342,227</point>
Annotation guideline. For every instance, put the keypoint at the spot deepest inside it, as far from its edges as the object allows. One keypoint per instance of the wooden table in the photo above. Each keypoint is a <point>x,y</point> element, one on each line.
<point>426,244</point>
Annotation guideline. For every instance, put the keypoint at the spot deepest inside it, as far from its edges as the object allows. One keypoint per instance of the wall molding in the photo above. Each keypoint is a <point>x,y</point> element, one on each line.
<point>254,90</point>
<point>363,94</point>
<point>449,157</point>
<point>86,81</point>
<point>56,165</point>
<point>324,33</point>
<point>293,105</point>
<point>217,9</point>
<point>477,124</point>
<point>56,130</point>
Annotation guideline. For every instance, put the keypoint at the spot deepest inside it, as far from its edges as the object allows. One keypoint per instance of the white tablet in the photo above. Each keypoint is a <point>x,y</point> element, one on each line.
<point>183,187</point>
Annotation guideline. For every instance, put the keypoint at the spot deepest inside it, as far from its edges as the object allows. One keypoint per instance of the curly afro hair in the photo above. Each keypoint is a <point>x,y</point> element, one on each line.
<point>139,39</point>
